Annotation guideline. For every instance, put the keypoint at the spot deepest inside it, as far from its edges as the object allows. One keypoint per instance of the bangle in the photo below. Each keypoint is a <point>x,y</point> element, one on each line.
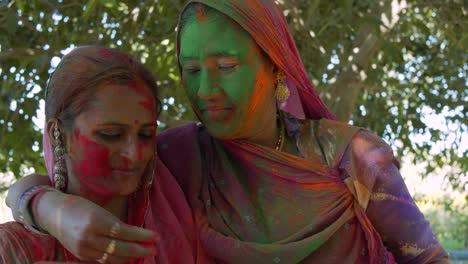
<point>26,197</point>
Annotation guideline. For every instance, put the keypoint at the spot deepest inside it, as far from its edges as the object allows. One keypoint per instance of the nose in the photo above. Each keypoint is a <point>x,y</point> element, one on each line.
<point>208,84</point>
<point>131,153</point>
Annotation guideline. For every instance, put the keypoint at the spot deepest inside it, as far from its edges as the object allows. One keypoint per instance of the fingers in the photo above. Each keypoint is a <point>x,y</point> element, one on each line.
<point>136,234</point>
<point>131,242</point>
<point>122,231</point>
<point>118,260</point>
<point>95,255</point>
<point>122,248</point>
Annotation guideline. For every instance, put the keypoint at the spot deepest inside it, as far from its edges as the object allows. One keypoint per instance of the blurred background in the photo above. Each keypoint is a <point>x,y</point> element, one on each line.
<point>396,67</point>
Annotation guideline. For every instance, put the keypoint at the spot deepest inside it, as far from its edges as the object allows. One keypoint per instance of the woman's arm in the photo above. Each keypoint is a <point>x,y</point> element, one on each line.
<point>82,226</point>
<point>19,187</point>
<point>391,209</point>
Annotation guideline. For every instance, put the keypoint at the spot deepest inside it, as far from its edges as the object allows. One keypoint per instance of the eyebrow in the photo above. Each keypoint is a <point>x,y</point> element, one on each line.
<point>212,54</point>
<point>224,53</point>
<point>126,125</point>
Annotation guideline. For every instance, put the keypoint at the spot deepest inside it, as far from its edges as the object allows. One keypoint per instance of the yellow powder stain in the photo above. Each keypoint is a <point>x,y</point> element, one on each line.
<point>411,249</point>
<point>383,196</point>
<point>363,194</point>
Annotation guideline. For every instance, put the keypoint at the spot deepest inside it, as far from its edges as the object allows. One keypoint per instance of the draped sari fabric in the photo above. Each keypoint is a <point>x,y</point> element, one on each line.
<point>331,205</point>
<point>253,204</point>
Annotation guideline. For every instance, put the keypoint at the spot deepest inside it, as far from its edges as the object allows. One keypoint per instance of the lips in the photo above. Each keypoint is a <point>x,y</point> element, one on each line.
<point>215,113</point>
<point>126,171</point>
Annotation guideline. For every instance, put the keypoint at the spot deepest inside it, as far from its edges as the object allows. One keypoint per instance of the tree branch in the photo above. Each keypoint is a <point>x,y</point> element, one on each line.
<point>23,52</point>
<point>341,96</point>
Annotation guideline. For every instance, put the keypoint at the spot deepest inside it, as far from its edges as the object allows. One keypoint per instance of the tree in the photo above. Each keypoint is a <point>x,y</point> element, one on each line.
<point>383,65</point>
<point>391,66</point>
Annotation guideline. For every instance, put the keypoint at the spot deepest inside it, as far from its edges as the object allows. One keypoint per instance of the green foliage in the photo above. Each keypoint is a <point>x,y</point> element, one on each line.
<point>34,32</point>
<point>406,80</point>
<point>390,77</point>
<point>449,220</point>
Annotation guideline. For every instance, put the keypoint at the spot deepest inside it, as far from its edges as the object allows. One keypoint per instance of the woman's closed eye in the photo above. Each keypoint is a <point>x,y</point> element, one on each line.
<point>147,134</point>
<point>227,67</point>
<point>192,69</point>
<point>110,134</point>
<point>114,135</point>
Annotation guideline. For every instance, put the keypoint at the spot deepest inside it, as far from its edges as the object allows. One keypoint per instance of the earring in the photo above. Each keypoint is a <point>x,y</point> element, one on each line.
<point>282,92</point>
<point>60,169</point>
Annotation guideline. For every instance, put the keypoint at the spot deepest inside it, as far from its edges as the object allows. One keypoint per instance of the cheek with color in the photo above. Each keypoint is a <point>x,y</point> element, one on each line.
<point>91,164</point>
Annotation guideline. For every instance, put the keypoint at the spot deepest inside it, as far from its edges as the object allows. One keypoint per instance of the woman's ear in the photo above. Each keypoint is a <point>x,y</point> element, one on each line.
<point>51,125</point>
<point>276,70</point>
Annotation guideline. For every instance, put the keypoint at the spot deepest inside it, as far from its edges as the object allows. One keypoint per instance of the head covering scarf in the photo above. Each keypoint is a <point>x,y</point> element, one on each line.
<point>253,204</point>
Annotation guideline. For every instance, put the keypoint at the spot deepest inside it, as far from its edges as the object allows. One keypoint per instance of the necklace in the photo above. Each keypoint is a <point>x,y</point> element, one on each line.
<point>280,143</point>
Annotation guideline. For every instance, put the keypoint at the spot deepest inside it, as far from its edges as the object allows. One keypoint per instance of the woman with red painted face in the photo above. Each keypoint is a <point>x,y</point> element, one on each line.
<point>100,146</point>
<point>270,175</point>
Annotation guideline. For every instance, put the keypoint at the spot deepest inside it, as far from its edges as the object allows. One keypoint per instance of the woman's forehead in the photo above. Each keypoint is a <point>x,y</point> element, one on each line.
<point>217,36</point>
<point>120,96</point>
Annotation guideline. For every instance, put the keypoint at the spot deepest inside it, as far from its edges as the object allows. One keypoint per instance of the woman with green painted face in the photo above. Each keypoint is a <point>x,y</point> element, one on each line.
<point>270,175</point>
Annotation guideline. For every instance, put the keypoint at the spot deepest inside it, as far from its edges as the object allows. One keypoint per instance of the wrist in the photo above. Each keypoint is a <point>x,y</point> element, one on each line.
<point>24,206</point>
<point>19,187</point>
<point>43,209</point>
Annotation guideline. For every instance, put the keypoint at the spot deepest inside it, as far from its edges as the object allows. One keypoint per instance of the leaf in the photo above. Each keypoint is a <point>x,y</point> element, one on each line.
<point>11,23</point>
<point>90,9</point>
<point>422,27</point>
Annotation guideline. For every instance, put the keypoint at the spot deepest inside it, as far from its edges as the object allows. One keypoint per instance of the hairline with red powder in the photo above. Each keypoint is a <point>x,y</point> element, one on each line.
<point>81,72</point>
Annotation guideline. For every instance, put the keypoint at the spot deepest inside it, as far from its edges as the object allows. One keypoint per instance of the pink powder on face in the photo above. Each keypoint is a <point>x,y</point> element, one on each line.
<point>141,146</point>
<point>92,165</point>
<point>149,106</point>
<point>149,102</point>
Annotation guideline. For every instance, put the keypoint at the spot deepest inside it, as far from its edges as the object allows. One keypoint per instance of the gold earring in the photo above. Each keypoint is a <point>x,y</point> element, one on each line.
<point>60,168</point>
<point>282,92</point>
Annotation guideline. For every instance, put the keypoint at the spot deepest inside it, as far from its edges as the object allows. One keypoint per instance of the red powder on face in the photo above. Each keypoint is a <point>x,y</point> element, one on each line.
<point>92,165</point>
<point>148,103</point>
<point>141,146</point>
<point>200,16</point>
<point>148,106</point>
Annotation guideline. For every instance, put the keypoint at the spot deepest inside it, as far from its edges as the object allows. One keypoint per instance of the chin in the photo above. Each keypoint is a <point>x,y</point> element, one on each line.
<point>220,130</point>
<point>127,190</point>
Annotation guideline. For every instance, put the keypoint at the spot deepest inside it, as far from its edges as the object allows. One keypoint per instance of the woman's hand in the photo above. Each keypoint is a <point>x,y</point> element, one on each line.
<point>84,228</point>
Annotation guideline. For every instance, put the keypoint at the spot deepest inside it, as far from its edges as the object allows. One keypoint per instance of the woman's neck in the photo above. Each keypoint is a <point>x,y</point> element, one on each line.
<point>266,130</point>
<point>268,135</point>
